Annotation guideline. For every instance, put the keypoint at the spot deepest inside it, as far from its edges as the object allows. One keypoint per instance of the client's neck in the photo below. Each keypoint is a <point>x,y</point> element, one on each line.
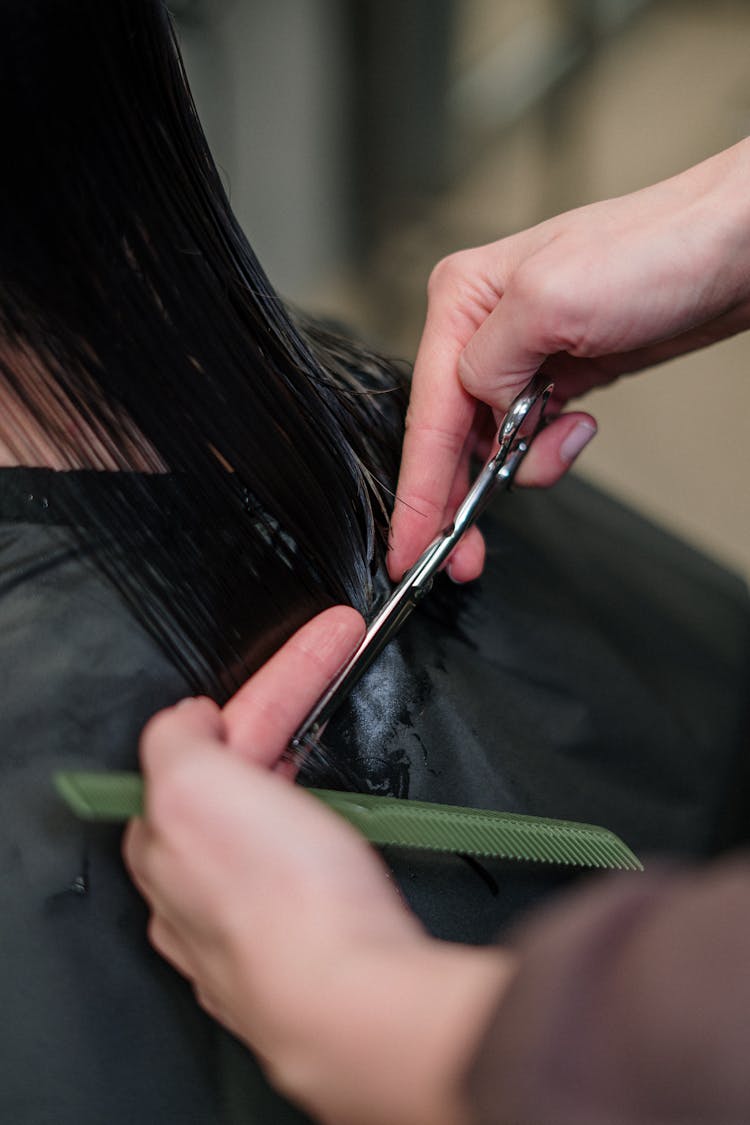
<point>64,440</point>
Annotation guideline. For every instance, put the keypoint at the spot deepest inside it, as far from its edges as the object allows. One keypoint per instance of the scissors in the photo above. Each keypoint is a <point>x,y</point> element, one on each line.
<point>518,429</point>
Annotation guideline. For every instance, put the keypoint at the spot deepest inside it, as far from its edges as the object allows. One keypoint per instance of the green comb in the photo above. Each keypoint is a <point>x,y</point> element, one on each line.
<point>389,820</point>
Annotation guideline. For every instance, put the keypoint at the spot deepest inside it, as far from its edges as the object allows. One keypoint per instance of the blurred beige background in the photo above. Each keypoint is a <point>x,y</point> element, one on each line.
<point>361,140</point>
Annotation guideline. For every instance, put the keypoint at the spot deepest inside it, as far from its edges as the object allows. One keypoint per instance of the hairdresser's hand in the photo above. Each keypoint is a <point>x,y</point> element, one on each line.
<point>284,919</point>
<point>590,295</point>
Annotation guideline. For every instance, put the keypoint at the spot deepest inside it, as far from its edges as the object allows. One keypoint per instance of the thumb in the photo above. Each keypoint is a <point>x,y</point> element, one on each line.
<point>171,734</point>
<point>501,356</point>
<point>497,364</point>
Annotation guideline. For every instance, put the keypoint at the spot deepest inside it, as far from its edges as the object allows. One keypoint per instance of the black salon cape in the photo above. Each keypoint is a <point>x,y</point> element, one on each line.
<point>597,672</point>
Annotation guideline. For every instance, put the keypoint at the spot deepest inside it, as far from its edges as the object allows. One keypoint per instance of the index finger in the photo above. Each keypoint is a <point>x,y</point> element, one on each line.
<point>264,714</point>
<point>438,424</point>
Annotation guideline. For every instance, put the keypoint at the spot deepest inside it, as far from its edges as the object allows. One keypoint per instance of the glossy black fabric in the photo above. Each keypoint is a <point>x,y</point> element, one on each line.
<point>598,671</point>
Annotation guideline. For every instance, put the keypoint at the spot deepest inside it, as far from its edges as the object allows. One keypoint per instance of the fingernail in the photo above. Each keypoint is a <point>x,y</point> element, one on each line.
<point>577,439</point>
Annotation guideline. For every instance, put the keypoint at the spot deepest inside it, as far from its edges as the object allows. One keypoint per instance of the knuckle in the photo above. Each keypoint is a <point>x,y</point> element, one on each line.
<point>426,506</point>
<point>445,274</point>
<point>442,441</point>
<point>313,650</point>
<point>534,286</point>
<point>439,276</point>
<point>553,298</point>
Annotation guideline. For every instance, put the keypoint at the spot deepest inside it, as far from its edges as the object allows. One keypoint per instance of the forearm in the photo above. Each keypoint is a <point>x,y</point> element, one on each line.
<point>395,1037</point>
<point>628,282</point>
<point>714,196</point>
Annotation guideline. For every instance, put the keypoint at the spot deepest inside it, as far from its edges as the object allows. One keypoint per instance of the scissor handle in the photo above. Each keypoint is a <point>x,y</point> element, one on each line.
<point>539,387</point>
<point>503,464</point>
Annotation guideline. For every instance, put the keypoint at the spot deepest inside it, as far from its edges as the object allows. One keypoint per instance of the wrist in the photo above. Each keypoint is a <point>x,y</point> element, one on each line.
<point>393,1037</point>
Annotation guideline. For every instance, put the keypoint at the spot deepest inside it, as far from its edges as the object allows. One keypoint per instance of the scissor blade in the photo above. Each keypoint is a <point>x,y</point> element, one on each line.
<point>498,472</point>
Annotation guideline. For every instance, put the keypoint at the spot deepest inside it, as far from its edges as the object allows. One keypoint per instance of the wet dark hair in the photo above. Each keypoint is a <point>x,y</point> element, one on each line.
<point>256,452</point>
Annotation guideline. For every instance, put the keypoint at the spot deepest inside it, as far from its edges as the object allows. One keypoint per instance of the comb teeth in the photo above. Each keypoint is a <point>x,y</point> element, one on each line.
<point>480,832</point>
<point>389,820</point>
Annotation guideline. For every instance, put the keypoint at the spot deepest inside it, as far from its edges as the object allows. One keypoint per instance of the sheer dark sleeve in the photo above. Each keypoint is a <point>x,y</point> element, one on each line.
<point>632,1004</point>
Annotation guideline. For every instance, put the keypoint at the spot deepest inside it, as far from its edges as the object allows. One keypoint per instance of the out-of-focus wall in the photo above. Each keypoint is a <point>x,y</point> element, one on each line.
<point>363,140</point>
<point>267,76</point>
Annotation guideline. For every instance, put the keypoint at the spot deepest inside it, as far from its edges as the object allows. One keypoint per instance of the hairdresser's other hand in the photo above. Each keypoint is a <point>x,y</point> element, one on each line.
<point>590,295</point>
<point>285,920</point>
